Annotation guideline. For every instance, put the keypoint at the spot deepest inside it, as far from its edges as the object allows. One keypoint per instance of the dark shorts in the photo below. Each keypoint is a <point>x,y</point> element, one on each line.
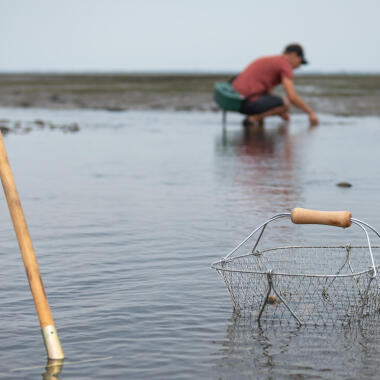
<point>262,104</point>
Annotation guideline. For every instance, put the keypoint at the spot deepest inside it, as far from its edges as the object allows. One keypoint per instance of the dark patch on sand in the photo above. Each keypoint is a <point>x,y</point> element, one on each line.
<point>23,127</point>
<point>344,184</point>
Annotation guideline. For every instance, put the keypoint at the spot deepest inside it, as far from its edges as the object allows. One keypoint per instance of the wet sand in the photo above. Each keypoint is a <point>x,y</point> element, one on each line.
<point>343,95</point>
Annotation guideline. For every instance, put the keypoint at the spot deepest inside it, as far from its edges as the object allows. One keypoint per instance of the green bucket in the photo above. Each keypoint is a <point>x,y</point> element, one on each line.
<point>226,97</point>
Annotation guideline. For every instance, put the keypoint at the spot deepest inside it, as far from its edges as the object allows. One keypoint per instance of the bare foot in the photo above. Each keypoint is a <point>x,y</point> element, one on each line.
<point>285,116</point>
<point>253,119</point>
<point>260,123</point>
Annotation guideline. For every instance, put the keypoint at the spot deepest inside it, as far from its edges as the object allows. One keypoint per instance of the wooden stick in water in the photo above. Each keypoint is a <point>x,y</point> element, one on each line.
<point>49,332</point>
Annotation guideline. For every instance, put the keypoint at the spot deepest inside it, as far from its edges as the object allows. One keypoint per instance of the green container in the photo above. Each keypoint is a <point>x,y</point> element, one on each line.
<point>226,97</point>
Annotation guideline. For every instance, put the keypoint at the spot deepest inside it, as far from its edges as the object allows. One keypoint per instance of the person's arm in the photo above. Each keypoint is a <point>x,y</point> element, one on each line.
<point>295,99</point>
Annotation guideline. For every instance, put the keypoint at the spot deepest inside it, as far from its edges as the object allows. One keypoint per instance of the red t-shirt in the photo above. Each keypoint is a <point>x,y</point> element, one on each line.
<point>260,76</point>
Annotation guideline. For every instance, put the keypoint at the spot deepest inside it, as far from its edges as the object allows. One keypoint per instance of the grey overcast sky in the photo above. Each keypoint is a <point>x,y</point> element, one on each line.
<point>185,35</point>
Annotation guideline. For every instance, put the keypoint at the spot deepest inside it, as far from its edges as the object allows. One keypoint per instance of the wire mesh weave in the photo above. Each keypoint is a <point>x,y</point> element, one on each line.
<point>309,285</point>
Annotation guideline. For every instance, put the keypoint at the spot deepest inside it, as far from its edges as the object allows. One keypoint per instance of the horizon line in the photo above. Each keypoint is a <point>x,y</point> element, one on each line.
<point>175,72</point>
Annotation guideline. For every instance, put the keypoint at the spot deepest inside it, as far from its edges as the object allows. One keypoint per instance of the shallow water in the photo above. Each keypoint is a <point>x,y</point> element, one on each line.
<point>128,213</point>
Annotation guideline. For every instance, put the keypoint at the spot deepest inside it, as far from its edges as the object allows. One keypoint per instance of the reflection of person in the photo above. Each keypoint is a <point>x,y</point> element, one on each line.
<point>265,166</point>
<point>258,79</point>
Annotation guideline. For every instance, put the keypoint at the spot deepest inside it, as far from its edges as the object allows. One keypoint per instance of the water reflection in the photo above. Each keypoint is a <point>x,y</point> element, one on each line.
<point>257,140</point>
<point>52,370</point>
<point>262,168</point>
<point>261,142</point>
<point>271,350</point>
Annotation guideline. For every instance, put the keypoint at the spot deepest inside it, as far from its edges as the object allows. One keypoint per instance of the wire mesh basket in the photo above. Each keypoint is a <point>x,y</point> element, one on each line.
<point>317,285</point>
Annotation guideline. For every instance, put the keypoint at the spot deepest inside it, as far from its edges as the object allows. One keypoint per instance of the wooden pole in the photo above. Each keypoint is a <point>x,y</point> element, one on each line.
<point>49,332</point>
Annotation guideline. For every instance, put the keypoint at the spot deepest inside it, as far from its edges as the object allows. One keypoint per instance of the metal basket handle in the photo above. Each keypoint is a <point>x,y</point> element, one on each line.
<point>305,216</point>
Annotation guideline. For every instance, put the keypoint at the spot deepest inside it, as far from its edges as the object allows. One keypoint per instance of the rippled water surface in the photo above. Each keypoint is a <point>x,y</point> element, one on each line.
<point>128,213</point>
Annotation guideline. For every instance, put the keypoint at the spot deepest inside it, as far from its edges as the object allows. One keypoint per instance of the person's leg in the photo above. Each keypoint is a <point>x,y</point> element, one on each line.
<point>278,111</point>
<point>266,105</point>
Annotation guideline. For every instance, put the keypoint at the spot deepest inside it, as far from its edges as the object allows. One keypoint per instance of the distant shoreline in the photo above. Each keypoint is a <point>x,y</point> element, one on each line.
<point>339,93</point>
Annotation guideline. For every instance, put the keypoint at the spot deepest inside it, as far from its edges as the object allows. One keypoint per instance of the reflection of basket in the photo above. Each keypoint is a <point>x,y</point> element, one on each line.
<point>312,285</point>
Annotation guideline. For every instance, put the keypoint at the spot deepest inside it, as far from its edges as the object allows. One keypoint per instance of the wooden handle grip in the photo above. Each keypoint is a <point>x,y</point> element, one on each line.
<point>331,218</point>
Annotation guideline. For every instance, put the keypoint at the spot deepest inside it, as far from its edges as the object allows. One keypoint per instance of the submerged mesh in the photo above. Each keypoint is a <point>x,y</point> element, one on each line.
<point>321,285</point>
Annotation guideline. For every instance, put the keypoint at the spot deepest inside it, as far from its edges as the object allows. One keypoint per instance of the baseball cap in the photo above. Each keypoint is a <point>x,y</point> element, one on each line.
<point>296,48</point>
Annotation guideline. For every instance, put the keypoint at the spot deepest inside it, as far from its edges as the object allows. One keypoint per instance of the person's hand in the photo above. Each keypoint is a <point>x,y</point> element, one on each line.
<point>313,119</point>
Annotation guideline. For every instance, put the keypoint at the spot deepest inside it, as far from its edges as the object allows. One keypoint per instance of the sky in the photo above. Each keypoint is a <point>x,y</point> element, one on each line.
<point>185,35</point>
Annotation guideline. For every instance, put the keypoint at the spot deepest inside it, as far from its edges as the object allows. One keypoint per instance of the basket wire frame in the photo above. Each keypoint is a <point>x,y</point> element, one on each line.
<point>287,284</point>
